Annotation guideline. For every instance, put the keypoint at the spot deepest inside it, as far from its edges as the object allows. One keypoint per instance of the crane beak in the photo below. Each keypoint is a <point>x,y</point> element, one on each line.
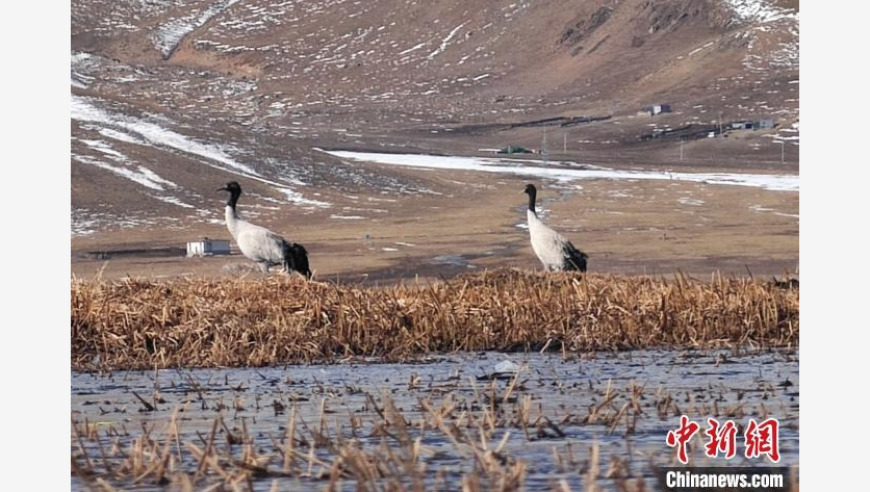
<point>223,189</point>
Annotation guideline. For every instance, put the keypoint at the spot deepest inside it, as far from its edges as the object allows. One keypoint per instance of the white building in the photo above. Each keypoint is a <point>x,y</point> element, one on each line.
<point>655,109</point>
<point>208,247</point>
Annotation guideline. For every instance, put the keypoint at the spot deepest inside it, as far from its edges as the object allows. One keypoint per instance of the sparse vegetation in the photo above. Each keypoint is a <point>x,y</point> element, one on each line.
<point>142,323</point>
<point>450,434</point>
<point>229,457</point>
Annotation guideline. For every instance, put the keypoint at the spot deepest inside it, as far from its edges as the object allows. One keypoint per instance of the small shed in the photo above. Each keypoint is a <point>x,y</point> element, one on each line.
<point>208,247</point>
<point>657,109</point>
<point>752,125</point>
<point>743,125</point>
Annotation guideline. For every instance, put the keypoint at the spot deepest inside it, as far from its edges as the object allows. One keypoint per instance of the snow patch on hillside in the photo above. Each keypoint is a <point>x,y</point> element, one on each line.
<point>84,109</point>
<point>445,42</point>
<point>773,33</point>
<point>136,130</point>
<point>759,11</point>
<point>80,63</point>
<point>167,36</point>
<point>508,166</point>
<point>138,174</point>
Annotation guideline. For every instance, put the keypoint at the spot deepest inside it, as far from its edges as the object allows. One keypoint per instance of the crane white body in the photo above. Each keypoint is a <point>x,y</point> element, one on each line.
<point>554,251</point>
<point>260,245</point>
<point>547,244</point>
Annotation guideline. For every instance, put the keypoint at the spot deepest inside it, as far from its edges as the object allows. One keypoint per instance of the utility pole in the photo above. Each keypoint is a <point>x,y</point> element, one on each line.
<point>544,153</point>
<point>782,155</point>
<point>565,143</point>
<point>681,148</point>
<point>720,123</point>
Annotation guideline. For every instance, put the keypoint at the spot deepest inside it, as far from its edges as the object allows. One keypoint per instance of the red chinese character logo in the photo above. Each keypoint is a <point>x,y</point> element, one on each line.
<point>762,438</point>
<point>721,439</point>
<point>681,437</point>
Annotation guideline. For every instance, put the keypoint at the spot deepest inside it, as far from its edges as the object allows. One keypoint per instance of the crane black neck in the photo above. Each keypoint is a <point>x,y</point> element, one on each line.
<point>234,198</point>
<point>532,192</point>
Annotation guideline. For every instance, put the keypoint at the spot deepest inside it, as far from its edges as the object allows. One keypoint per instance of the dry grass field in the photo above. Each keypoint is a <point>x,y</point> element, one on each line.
<point>145,323</point>
<point>470,222</point>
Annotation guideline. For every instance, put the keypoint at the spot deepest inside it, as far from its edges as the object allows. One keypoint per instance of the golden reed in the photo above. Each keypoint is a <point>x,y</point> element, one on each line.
<point>143,323</point>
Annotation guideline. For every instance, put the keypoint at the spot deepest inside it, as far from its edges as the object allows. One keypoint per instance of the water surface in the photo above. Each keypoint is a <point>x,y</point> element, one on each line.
<point>670,383</point>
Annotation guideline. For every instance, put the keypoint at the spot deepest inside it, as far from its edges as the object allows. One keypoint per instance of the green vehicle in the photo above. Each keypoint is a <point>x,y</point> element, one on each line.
<point>514,149</point>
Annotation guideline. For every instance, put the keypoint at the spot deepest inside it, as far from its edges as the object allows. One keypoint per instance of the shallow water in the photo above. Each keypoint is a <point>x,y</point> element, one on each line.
<point>699,383</point>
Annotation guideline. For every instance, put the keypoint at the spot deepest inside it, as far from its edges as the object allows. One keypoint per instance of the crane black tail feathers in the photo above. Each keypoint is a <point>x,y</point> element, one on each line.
<point>575,259</point>
<point>296,258</point>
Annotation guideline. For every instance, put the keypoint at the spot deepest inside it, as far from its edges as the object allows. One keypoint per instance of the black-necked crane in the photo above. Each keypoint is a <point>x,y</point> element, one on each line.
<point>555,252</point>
<point>260,245</point>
